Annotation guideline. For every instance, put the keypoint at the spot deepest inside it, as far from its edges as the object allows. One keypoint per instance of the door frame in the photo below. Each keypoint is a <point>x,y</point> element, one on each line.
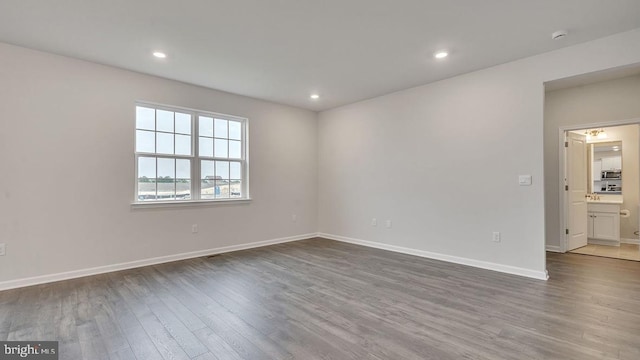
<point>562,170</point>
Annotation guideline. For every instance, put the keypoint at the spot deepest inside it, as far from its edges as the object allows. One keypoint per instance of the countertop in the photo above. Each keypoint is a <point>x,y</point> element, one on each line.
<point>607,199</point>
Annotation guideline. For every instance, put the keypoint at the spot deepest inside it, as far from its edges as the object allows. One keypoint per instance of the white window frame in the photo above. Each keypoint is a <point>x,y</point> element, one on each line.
<point>194,158</point>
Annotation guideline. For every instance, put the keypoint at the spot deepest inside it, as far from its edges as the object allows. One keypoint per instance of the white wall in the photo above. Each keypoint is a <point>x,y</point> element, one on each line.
<point>72,122</point>
<point>68,125</point>
<point>376,159</point>
<point>606,101</point>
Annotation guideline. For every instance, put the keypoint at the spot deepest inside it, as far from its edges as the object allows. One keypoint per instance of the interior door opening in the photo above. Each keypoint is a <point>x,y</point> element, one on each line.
<point>600,197</point>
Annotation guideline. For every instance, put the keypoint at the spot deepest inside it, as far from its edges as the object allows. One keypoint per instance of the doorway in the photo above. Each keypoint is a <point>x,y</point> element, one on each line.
<point>601,189</point>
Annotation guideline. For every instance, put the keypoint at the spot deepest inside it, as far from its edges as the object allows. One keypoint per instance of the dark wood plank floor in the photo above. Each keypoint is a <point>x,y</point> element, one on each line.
<point>320,299</point>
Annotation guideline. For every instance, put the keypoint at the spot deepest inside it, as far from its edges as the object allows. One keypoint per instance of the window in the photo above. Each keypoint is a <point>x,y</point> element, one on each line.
<point>187,155</point>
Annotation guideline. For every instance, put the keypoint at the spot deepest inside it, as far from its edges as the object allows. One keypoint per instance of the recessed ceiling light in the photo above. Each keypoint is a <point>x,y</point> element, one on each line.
<point>314,96</point>
<point>441,55</point>
<point>159,54</point>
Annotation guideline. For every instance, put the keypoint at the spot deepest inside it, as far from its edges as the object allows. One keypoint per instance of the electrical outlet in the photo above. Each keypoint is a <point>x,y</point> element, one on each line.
<point>3,249</point>
<point>194,228</point>
<point>294,217</point>
<point>388,224</point>
<point>374,222</point>
<point>496,236</point>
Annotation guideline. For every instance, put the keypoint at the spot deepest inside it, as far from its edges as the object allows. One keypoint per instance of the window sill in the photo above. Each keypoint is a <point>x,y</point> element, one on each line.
<point>190,203</point>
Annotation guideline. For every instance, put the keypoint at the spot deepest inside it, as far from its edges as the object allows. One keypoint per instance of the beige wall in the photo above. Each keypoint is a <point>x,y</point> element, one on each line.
<point>72,121</point>
<point>375,161</point>
<point>68,124</point>
<point>606,101</point>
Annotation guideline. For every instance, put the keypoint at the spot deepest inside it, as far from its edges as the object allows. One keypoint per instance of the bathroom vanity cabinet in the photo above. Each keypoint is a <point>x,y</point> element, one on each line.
<point>604,222</point>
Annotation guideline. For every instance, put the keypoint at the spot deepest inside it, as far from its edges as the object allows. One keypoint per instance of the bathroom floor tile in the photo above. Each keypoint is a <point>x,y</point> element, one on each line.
<point>624,251</point>
<point>588,250</point>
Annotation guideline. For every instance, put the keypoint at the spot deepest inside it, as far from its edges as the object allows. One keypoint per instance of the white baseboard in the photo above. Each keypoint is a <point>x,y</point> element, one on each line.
<point>540,275</point>
<point>43,279</point>
<point>553,248</point>
<point>630,241</point>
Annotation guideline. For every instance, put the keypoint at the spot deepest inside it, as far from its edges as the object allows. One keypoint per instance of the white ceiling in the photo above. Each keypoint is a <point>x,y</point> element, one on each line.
<point>284,50</point>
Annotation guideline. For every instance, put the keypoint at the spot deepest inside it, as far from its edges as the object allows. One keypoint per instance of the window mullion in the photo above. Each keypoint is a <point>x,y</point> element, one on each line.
<point>195,156</point>
<point>243,156</point>
<point>175,176</point>
<point>156,178</point>
<point>136,183</point>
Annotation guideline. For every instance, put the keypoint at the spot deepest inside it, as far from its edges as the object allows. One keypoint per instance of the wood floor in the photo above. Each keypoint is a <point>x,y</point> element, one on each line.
<point>320,299</point>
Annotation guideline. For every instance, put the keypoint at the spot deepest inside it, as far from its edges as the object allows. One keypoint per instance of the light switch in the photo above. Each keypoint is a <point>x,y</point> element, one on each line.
<point>524,180</point>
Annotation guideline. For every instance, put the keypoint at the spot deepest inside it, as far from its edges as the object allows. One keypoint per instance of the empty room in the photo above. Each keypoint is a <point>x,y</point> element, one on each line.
<point>294,179</point>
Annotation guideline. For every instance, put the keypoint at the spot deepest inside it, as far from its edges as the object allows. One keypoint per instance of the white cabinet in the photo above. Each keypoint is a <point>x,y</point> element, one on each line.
<point>603,222</point>
<point>612,163</point>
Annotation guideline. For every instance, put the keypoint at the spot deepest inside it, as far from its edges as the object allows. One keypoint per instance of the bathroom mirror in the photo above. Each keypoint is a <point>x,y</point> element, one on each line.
<point>606,166</point>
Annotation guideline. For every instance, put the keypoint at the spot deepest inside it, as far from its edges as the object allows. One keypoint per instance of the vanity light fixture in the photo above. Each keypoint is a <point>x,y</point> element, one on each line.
<point>595,134</point>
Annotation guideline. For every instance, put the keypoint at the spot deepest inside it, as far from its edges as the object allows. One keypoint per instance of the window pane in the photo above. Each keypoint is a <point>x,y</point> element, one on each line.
<point>164,143</point>
<point>235,149</point>
<point>222,189</point>
<point>166,190</point>
<point>205,147</point>
<point>145,118</point>
<point>146,168</point>
<point>221,129</point>
<point>183,189</point>
<point>235,188</point>
<point>145,141</point>
<point>166,169</point>
<point>207,189</point>
<point>207,182</point>
<point>235,171</point>
<point>183,169</point>
<point>206,170</point>
<point>183,145</point>
<point>183,123</point>
<point>146,190</point>
<point>222,170</point>
<point>205,126</point>
<point>146,178</point>
<point>221,148</point>
<point>164,121</point>
<point>235,130</point>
